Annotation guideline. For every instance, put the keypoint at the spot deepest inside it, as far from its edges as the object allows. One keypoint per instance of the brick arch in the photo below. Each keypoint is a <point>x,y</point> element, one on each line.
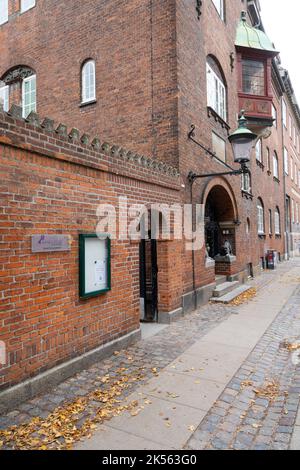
<point>222,187</point>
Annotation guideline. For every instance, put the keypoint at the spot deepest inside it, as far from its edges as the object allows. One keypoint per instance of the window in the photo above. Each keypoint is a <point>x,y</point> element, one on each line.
<point>219,146</point>
<point>216,93</point>
<point>29,95</point>
<point>3,11</point>
<point>260,218</point>
<point>274,115</point>
<point>88,82</point>
<point>253,77</point>
<point>296,174</point>
<point>26,5</point>
<point>258,151</point>
<point>277,222</point>
<point>292,169</point>
<point>275,166</point>
<point>290,126</point>
<point>246,182</point>
<point>284,114</point>
<point>286,161</point>
<point>270,222</point>
<point>219,4</point>
<point>293,211</point>
<point>4,97</point>
<point>268,159</point>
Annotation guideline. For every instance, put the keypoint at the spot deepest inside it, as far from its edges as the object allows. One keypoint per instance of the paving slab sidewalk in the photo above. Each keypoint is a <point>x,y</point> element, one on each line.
<point>181,398</point>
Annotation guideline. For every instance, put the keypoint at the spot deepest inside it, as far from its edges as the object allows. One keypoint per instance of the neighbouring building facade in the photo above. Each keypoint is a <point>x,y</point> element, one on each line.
<point>166,80</point>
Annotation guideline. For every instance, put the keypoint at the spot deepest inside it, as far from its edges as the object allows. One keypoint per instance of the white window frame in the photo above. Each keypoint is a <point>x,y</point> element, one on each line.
<point>270,222</point>
<point>4,95</point>
<point>277,222</point>
<point>216,93</point>
<point>286,160</point>
<point>246,183</point>
<point>284,113</point>
<point>274,115</point>
<point>275,166</point>
<point>260,218</point>
<point>219,5</point>
<point>27,108</point>
<point>292,169</point>
<point>27,5</point>
<point>91,96</point>
<point>258,150</point>
<point>3,11</point>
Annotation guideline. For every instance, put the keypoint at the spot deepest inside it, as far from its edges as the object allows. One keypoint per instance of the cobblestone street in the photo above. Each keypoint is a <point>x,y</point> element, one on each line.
<point>256,410</point>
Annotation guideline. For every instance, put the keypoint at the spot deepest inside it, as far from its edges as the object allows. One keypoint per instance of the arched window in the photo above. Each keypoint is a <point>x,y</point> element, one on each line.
<point>258,151</point>
<point>3,11</point>
<point>260,217</point>
<point>275,166</point>
<point>23,81</point>
<point>216,88</point>
<point>246,182</point>
<point>88,82</point>
<point>277,222</point>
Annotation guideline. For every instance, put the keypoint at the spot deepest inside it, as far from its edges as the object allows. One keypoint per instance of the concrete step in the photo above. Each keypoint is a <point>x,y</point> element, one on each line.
<point>226,299</point>
<point>225,288</point>
<point>220,279</point>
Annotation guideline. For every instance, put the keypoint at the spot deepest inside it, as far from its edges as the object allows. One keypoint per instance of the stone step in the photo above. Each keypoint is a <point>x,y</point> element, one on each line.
<point>220,279</point>
<point>225,288</point>
<point>226,299</point>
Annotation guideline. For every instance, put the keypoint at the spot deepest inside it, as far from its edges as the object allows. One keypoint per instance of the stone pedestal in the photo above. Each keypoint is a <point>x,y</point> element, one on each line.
<point>225,264</point>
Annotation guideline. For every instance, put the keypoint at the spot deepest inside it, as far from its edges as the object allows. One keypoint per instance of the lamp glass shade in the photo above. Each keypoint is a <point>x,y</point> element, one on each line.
<point>242,148</point>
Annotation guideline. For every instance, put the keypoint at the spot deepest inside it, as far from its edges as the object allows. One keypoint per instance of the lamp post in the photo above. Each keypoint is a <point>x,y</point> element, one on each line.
<point>241,141</point>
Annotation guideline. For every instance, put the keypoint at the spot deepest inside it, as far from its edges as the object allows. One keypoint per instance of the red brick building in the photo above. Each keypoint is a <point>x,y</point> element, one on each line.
<point>139,73</point>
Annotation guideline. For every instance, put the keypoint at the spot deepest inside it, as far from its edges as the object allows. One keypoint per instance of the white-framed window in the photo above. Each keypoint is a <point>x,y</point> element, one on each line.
<point>296,174</point>
<point>246,182</point>
<point>3,11</point>
<point>275,166</point>
<point>27,5</point>
<point>219,4</point>
<point>253,73</point>
<point>292,169</point>
<point>297,212</point>
<point>258,150</point>
<point>88,80</point>
<point>274,115</point>
<point>284,114</point>
<point>286,161</point>
<point>260,218</point>
<point>216,93</point>
<point>277,222</point>
<point>290,126</point>
<point>29,95</point>
<point>4,97</point>
<point>293,211</point>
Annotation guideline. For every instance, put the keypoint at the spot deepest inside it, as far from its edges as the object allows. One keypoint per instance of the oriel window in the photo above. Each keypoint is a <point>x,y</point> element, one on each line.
<point>253,77</point>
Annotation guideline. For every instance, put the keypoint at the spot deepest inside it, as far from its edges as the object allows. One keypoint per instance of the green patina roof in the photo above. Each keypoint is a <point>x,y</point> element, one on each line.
<point>253,38</point>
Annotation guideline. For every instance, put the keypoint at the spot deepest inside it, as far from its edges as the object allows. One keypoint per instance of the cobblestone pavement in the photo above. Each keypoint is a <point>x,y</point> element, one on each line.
<point>236,418</point>
<point>258,408</point>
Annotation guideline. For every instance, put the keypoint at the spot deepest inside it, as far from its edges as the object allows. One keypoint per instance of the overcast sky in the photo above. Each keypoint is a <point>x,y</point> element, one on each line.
<point>281,20</point>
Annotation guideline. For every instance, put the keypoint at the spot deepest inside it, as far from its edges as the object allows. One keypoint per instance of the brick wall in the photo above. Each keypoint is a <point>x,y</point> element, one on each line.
<point>51,183</point>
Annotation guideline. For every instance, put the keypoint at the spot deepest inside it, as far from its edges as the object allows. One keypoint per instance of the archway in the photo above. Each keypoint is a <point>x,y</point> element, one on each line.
<point>221,220</point>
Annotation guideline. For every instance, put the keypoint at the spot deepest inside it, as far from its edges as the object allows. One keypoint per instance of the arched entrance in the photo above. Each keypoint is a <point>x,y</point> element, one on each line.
<point>221,220</point>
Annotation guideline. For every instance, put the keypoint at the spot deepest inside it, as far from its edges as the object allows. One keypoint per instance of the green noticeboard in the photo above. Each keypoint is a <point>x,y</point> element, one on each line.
<point>94,265</point>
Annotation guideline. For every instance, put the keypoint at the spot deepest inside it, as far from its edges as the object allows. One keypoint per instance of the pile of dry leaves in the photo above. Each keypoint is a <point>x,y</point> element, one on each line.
<point>291,347</point>
<point>249,295</point>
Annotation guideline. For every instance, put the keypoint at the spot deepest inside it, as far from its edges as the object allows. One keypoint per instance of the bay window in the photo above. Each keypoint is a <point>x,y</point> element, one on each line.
<point>253,73</point>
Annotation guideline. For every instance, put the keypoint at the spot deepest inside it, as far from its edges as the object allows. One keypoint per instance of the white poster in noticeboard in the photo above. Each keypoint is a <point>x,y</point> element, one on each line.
<point>94,260</point>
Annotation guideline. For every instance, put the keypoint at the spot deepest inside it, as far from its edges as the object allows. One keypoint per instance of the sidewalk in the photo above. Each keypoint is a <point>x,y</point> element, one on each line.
<point>191,384</point>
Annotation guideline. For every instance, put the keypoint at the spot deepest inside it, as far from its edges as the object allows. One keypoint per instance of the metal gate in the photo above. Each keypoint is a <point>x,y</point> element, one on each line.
<point>148,280</point>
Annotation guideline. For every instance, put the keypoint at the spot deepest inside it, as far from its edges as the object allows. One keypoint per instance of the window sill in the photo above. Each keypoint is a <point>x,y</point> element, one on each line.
<point>262,236</point>
<point>83,104</point>
<point>277,236</point>
<point>260,164</point>
<point>212,113</point>
<point>247,195</point>
<point>276,180</point>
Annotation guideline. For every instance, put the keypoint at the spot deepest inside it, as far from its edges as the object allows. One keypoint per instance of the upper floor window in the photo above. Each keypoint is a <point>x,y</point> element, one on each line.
<point>253,77</point>
<point>29,95</point>
<point>219,4</point>
<point>3,11</point>
<point>274,115</point>
<point>275,166</point>
<point>286,161</point>
<point>277,222</point>
<point>260,217</point>
<point>88,82</point>
<point>4,97</point>
<point>270,222</point>
<point>216,90</point>
<point>284,113</point>
<point>27,4</point>
<point>258,151</point>
<point>246,182</point>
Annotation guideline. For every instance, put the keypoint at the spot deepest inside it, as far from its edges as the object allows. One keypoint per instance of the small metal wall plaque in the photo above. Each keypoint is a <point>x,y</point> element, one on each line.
<point>49,243</point>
